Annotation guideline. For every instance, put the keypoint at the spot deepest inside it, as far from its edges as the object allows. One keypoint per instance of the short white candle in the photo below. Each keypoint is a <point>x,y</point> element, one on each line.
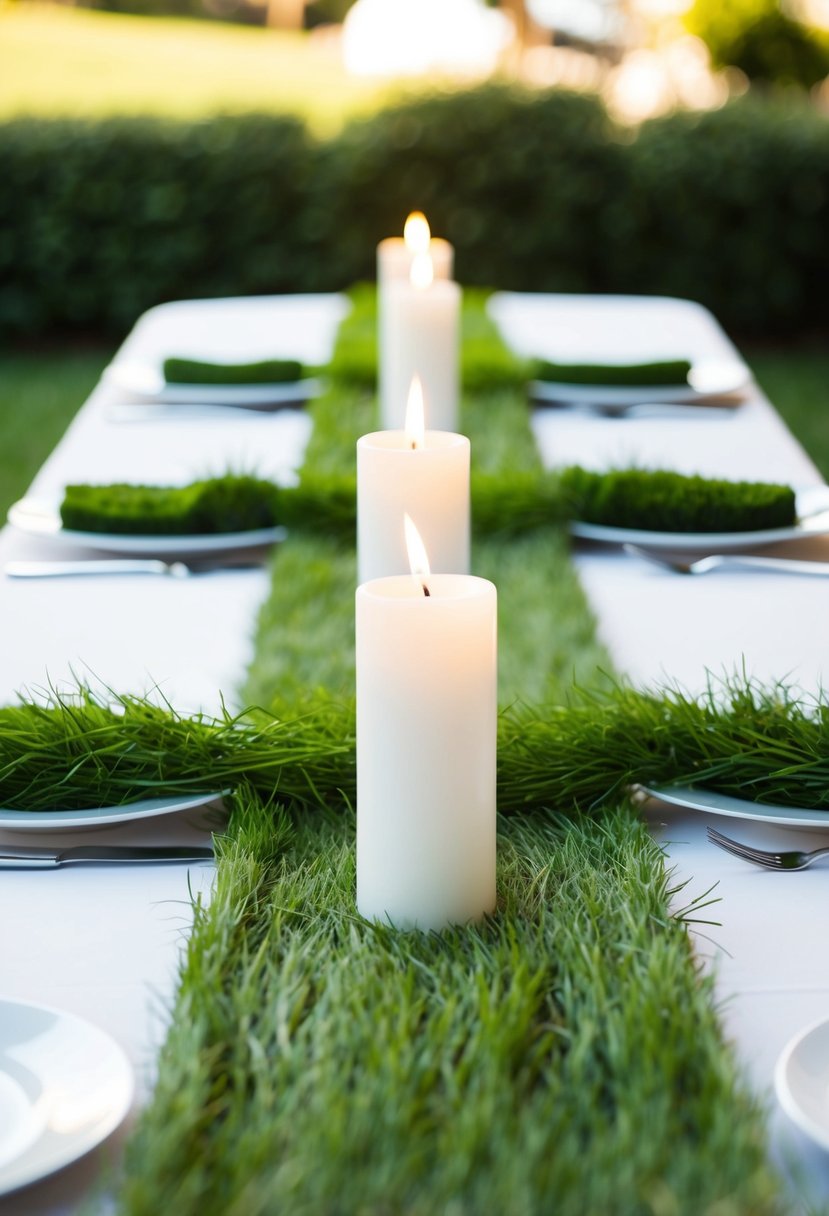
<point>422,473</point>
<point>422,338</point>
<point>426,750</point>
<point>394,264</point>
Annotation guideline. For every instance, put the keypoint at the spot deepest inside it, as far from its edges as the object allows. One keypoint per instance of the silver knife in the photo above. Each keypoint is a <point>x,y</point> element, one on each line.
<point>68,569</point>
<point>50,859</point>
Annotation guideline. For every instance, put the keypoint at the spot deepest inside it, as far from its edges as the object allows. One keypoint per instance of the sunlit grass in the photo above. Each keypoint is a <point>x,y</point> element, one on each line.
<point>797,382</point>
<point>65,61</point>
<point>39,395</point>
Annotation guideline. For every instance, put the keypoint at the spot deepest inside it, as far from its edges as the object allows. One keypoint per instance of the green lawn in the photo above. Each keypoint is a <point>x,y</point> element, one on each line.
<point>797,382</point>
<point>39,394</point>
<point>64,61</point>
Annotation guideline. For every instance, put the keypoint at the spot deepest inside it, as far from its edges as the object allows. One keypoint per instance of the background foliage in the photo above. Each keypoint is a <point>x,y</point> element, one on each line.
<point>538,191</point>
<point>763,39</point>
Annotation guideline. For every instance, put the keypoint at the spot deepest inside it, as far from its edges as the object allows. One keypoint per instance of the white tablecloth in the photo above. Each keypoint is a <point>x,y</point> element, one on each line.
<point>194,638</point>
<point>104,942</point>
<point>769,951</point>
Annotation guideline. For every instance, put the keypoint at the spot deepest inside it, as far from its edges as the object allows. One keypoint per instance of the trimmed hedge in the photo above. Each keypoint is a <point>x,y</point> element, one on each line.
<point>101,220</point>
<point>537,191</point>
<point>732,208</point>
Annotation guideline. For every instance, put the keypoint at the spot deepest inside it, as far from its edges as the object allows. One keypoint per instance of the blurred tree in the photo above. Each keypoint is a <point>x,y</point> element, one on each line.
<point>761,39</point>
<point>326,12</point>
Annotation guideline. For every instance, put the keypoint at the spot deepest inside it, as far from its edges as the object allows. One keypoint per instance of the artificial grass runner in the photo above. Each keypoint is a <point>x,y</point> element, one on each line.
<point>563,1056</point>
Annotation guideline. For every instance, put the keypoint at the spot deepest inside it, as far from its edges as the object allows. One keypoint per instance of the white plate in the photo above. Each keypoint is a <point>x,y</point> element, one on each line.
<point>738,808</point>
<point>43,519</point>
<point>813,520</point>
<point>94,817</point>
<point>706,379</point>
<point>65,1086</point>
<point>801,1079</point>
<point>144,382</point>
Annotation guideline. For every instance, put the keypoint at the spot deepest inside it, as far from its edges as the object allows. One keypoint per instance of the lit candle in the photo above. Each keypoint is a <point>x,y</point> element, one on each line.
<point>421,324</point>
<point>394,254</point>
<point>394,263</point>
<point>424,473</point>
<point>426,740</point>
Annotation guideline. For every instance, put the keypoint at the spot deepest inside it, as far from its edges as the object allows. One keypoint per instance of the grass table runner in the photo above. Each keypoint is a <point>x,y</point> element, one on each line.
<point>565,1056</point>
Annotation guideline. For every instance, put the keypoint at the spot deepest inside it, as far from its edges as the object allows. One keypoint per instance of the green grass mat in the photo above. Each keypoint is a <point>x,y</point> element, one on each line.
<point>564,1056</point>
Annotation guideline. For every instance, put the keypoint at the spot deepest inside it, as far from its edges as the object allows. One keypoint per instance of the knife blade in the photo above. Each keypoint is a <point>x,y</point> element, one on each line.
<point>51,859</point>
<point>114,565</point>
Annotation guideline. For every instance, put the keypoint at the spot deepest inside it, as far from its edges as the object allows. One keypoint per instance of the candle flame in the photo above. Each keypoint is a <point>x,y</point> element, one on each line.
<point>415,419</point>
<point>416,233</point>
<point>418,557</point>
<point>422,272</point>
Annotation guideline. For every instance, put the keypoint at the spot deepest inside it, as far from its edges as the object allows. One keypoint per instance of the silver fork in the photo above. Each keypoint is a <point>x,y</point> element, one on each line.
<point>736,561</point>
<point>638,409</point>
<point>791,860</point>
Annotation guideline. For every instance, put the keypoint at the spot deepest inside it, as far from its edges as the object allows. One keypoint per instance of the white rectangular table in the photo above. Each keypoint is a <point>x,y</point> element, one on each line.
<point>194,639</point>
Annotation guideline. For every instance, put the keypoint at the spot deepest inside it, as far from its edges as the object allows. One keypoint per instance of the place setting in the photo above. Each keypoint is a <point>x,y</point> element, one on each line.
<point>588,355</point>
<point>65,1087</point>
<point>214,525</point>
<point>180,364</point>
<point>768,840</point>
<point>660,389</point>
<point>198,390</point>
<point>706,524</point>
<point>66,1084</point>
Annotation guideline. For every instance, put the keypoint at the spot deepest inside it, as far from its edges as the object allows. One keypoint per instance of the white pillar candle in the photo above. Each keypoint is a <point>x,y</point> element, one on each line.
<point>421,473</point>
<point>395,253</point>
<point>394,264</point>
<point>426,750</point>
<point>422,339</point>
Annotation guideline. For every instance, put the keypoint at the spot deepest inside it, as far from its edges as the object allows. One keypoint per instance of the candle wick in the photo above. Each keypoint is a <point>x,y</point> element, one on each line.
<point>426,590</point>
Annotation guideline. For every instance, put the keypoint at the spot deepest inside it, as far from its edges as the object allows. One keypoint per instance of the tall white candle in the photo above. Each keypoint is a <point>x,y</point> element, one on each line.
<point>422,339</point>
<point>395,254</point>
<point>394,263</point>
<point>426,749</point>
<point>422,473</point>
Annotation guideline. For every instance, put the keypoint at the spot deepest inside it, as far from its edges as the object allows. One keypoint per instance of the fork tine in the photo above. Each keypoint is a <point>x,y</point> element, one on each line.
<point>771,861</point>
<point>721,838</point>
<point>735,850</point>
<point>766,863</point>
<point>724,842</point>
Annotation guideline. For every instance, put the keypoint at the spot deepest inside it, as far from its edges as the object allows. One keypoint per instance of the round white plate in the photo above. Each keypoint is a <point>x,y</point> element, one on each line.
<point>738,808</point>
<point>801,1079</point>
<point>813,520</point>
<point>707,378</point>
<point>43,519</point>
<point>45,821</point>
<point>146,383</point>
<point>65,1086</point>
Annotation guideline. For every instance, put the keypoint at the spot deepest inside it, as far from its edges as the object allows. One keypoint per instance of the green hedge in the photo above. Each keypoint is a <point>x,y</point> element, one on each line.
<point>101,220</point>
<point>538,191</point>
